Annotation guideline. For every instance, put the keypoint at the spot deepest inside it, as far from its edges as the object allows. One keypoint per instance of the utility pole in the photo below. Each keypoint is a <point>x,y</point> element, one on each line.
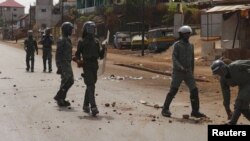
<point>30,17</point>
<point>12,26</point>
<point>62,10</point>
<point>143,28</point>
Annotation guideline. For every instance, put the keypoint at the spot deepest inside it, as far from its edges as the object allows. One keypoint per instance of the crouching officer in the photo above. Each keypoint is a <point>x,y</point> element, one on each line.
<point>89,50</point>
<point>30,46</point>
<point>47,41</point>
<point>63,63</point>
<point>236,73</point>
<point>183,69</point>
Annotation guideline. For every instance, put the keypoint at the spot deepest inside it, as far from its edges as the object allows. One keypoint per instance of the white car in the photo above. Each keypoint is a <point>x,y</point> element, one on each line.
<point>122,39</point>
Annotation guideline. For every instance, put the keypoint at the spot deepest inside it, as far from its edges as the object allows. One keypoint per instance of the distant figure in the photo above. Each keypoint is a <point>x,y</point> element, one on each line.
<point>30,46</point>
<point>183,70</point>
<point>236,73</point>
<point>47,41</point>
<point>63,63</point>
<point>89,51</point>
<point>16,38</point>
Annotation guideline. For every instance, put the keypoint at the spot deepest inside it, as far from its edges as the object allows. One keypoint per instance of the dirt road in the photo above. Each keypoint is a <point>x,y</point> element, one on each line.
<point>29,112</point>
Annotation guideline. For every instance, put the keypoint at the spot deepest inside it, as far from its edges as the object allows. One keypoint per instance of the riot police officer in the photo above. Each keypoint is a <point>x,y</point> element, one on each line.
<point>63,63</point>
<point>47,41</point>
<point>236,73</point>
<point>183,69</point>
<point>30,46</point>
<point>89,50</point>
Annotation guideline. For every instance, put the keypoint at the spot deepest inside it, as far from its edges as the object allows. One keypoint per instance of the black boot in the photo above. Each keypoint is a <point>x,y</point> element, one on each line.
<point>94,111</point>
<point>171,94</point>
<point>235,117</point>
<point>195,103</point>
<point>246,113</point>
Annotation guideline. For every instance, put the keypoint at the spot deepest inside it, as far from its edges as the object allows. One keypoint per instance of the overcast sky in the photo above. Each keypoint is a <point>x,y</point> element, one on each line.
<point>27,3</point>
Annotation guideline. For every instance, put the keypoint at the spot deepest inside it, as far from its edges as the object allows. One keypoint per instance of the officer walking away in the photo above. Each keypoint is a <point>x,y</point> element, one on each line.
<point>236,73</point>
<point>47,41</point>
<point>183,69</point>
<point>63,63</point>
<point>89,50</point>
<point>30,46</point>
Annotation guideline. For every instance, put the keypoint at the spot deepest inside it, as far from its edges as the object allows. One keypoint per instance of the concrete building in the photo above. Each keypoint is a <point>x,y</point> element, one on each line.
<point>11,11</point>
<point>44,13</point>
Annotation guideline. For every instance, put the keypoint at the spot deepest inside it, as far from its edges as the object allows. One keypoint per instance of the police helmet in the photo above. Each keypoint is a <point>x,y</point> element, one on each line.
<point>89,27</point>
<point>218,65</point>
<point>185,29</point>
<point>67,25</point>
<point>30,32</point>
<point>47,29</point>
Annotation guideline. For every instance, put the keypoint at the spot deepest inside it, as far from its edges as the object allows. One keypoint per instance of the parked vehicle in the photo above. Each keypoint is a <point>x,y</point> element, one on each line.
<point>136,42</point>
<point>122,39</point>
<point>160,39</point>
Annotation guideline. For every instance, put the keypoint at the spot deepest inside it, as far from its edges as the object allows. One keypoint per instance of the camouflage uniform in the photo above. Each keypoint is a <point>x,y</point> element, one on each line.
<point>239,75</point>
<point>89,49</point>
<point>47,41</point>
<point>30,46</point>
<point>63,62</point>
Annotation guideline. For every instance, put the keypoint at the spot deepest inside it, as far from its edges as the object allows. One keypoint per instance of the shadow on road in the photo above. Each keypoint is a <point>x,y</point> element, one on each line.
<point>100,117</point>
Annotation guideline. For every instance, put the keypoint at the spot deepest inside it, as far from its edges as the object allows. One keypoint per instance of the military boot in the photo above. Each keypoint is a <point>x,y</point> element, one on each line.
<point>165,111</point>
<point>94,111</point>
<point>195,103</point>
<point>86,109</point>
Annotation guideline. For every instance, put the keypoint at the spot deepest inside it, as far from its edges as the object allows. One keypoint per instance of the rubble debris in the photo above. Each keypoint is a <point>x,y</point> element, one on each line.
<point>14,85</point>
<point>157,106</point>
<point>107,104</point>
<point>113,104</point>
<point>185,116</point>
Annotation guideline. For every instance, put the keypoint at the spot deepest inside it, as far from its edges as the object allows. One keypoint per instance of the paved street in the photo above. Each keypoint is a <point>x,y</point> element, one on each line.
<point>29,113</point>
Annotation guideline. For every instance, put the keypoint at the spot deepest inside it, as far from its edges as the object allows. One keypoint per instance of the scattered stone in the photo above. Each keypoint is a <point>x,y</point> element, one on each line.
<point>113,104</point>
<point>185,116</point>
<point>107,105</point>
<point>100,128</point>
<point>157,106</point>
<point>69,108</point>
<point>170,121</point>
<point>96,94</point>
<point>108,121</point>
<point>72,101</point>
<point>57,126</point>
<point>4,93</point>
<point>217,91</point>
<point>106,113</point>
<point>130,114</point>
<point>35,96</point>
<point>153,119</point>
<point>14,85</point>
<point>114,110</point>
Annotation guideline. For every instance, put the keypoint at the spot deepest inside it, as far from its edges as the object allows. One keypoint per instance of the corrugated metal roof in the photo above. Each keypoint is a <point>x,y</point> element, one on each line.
<point>219,9</point>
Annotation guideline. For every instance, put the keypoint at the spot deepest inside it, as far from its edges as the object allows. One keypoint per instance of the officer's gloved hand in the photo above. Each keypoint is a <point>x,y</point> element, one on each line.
<point>184,70</point>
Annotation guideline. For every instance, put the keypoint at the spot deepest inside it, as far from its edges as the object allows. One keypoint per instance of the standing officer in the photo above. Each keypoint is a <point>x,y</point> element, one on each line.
<point>47,41</point>
<point>30,46</point>
<point>89,50</point>
<point>63,63</point>
<point>183,68</point>
<point>236,73</point>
